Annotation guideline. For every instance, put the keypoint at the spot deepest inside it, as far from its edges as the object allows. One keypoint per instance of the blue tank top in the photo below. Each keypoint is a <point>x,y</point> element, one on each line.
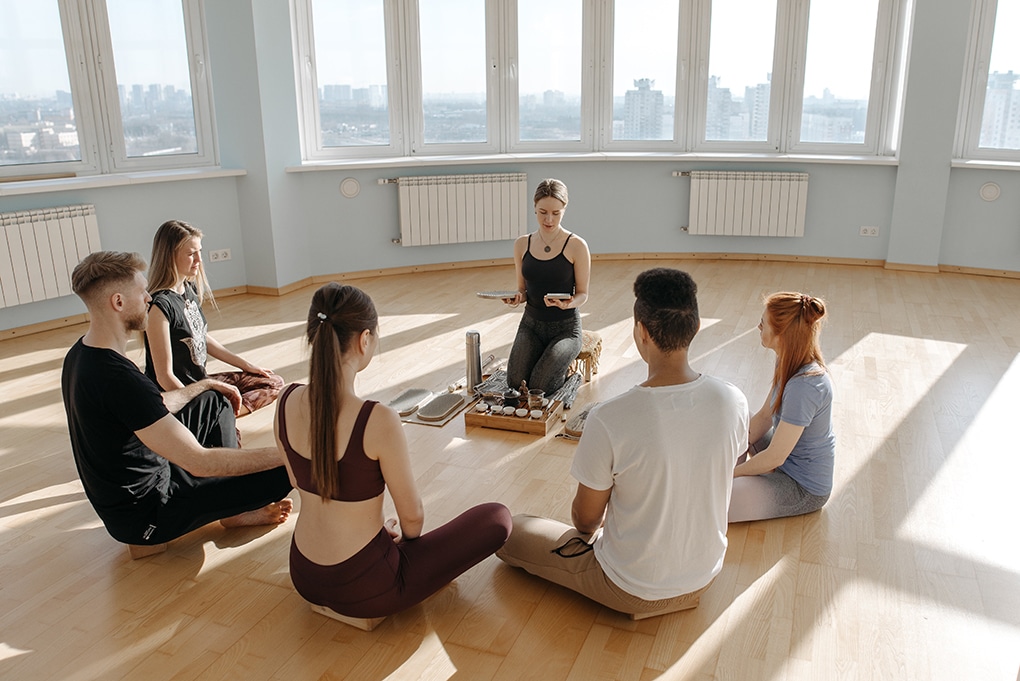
<point>555,275</point>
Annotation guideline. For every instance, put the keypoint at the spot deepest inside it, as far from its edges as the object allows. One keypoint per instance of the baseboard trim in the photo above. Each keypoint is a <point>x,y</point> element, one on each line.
<point>908,267</point>
<point>980,271</point>
<point>44,326</point>
<point>758,257</point>
<point>501,262</point>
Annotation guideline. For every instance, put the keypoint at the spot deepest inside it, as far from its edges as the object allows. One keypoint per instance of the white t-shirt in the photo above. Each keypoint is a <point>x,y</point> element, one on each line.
<point>668,454</point>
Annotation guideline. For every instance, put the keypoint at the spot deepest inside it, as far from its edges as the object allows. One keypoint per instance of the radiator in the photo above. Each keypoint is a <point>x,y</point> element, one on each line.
<point>748,204</point>
<point>447,209</point>
<point>39,249</point>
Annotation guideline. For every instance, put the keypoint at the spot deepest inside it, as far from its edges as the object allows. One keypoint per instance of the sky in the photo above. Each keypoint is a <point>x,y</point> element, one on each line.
<point>147,50</point>
<point>151,51</point>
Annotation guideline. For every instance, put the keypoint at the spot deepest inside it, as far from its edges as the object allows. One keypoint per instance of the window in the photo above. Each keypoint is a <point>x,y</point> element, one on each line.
<point>740,70</point>
<point>549,86</point>
<point>838,72</point>
<point>455,102</point>
<point>508,76</point>
<point>991,108</point>
<point>644,69</point>
<point>123,96</point>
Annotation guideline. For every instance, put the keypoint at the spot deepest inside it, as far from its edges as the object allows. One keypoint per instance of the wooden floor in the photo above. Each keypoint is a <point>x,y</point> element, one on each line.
<point>912,570</point>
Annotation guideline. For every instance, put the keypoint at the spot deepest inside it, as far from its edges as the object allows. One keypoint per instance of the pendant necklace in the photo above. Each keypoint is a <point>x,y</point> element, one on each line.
<point>548,245</point>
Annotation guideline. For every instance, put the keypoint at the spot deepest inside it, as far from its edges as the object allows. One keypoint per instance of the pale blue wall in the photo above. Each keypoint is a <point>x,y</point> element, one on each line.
<point>283,227</point>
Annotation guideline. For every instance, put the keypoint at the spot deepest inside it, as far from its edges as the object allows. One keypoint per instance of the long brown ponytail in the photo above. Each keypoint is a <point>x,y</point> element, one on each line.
<point>337,317</point>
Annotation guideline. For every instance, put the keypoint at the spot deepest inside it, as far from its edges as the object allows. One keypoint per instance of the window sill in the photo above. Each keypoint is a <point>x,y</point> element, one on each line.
<point>985,165</point>
<point>565,157</point>
<point>113,180</point>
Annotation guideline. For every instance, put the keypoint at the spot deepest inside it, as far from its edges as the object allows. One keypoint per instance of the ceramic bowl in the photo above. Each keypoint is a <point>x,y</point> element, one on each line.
<point>522,412</point>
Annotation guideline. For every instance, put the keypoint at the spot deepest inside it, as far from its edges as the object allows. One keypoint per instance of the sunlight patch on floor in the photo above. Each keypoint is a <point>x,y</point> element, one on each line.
<point>429,661</point>
<point>981,463</point>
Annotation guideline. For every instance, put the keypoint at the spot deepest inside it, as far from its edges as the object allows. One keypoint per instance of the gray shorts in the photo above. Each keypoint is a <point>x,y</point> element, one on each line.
<point>773,495</point>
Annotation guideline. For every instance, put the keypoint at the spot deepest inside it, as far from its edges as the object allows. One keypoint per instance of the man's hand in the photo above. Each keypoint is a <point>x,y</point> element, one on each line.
<point>230,392</point>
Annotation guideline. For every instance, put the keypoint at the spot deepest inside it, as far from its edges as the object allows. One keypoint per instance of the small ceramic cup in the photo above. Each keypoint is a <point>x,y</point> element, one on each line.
<point>535,398</point>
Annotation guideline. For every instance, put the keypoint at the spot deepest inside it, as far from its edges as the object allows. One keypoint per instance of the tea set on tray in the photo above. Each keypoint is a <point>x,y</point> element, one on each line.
<point>522,403</point>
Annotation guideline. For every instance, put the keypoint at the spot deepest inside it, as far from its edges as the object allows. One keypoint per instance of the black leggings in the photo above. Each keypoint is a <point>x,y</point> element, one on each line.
<point>385,577</point>
<point>193,501</point>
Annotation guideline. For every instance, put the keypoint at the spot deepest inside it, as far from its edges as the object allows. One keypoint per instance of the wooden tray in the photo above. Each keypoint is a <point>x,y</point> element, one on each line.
<point>522,425</point>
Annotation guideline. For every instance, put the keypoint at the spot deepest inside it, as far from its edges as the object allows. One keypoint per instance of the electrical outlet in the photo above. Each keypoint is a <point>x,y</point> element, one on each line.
<point>869,231</point>
<point>217,256</point>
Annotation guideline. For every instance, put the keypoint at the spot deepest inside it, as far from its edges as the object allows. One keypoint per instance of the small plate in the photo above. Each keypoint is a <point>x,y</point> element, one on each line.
<point>559,296</point>
<point>499,295</point>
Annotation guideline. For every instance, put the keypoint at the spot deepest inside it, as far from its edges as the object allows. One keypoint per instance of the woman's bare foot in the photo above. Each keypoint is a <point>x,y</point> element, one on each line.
<point>271,514</point>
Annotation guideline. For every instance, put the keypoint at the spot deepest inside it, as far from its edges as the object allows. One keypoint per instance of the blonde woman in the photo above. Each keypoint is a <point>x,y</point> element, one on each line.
<point>176,341</point>
<point>553,268</point>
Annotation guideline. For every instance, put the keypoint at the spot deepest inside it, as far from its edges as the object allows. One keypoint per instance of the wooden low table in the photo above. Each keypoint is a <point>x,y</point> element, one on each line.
<point>520,424</point>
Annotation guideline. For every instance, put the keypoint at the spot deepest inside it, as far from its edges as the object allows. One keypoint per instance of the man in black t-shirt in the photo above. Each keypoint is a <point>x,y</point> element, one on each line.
<point>152,476</point>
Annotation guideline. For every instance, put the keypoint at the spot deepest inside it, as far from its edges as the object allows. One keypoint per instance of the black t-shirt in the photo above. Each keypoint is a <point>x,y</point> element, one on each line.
<point>107,399</point>
<point>188,328</point>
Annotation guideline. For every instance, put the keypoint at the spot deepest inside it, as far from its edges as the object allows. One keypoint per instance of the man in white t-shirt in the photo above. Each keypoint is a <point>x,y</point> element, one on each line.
<point>654,469</point>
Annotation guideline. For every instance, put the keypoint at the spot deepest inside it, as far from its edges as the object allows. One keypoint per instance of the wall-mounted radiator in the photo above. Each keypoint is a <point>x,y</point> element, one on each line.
<point>39,249</point>
<point>446,209</point>
<point>747,204</point>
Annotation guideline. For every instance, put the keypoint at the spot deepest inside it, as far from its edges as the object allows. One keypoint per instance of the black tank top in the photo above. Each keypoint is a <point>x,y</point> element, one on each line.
<point>360,477</point>
<point>555,275</point>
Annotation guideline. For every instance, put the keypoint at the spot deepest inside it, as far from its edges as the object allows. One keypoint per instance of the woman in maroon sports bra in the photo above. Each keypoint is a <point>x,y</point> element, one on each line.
<point>342,452</point>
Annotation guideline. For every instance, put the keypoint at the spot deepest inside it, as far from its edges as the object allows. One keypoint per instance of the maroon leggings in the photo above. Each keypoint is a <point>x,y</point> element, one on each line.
<point>385,577</point>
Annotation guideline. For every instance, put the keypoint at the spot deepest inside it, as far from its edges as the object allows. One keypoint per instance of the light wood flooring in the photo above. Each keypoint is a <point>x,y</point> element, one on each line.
<point>912,570</point>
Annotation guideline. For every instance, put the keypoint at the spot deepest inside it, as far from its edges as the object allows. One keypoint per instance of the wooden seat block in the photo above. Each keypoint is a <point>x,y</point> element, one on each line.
<point>587,360</point>
<point>137,551</point>
<point>363,623</point>
<point>680,606</point>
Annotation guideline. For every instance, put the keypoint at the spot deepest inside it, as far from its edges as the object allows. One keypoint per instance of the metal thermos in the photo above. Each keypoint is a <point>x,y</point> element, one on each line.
<point>473,371</point>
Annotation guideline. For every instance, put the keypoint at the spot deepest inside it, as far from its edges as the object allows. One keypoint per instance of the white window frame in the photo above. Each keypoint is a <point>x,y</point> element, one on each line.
<point>882,97</point>
<point>309,123</point>
<point>684,57</point>
<point>975,84</point>
<point>494,101</point>
<point>90,63</point>
<point>693,36</point>
<point>513,143</point>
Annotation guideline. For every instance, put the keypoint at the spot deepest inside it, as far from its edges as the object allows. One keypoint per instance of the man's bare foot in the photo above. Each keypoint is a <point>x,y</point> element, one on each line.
<point>272,514</point>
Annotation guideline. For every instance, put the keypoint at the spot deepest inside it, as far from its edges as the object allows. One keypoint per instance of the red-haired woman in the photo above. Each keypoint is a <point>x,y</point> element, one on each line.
<point>788,471</point>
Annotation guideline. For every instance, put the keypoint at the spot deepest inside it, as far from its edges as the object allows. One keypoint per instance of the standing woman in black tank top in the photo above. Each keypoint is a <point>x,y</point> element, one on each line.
<point>550,260</point>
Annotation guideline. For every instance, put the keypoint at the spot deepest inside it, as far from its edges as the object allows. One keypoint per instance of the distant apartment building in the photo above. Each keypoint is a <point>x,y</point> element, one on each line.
<point>642,111</point>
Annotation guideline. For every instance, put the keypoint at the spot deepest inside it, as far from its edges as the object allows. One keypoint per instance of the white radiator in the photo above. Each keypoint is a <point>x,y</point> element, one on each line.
<point>747,204</point>
<point>447,209</point>
<point>39,249</point>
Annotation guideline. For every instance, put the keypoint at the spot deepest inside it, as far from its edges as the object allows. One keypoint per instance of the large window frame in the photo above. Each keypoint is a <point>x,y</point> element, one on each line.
<point>975,82</point>
<point>91,71</point>
<point>691,107</point>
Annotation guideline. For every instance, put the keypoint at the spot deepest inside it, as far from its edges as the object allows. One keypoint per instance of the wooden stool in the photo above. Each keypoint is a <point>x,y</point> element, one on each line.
<point>363,623</point>
<point>686,602</point>
<point>685,605</point>
<point>137,551</point>
<point>587,360</point>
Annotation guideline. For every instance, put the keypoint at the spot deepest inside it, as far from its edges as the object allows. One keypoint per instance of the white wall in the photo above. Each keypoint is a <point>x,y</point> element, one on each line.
<point>283,227</point>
